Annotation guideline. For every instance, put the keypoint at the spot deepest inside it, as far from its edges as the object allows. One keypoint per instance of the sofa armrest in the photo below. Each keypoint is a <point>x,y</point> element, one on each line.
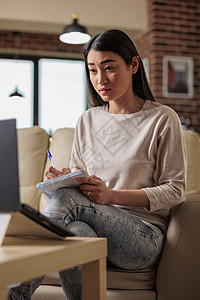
<point>179,267</point>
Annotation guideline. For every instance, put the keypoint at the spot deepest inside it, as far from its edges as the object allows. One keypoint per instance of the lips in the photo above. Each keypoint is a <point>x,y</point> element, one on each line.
<point>105,90</point>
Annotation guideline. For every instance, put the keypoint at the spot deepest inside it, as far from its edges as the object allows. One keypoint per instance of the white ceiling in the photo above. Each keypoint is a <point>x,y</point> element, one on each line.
<point>50,16</point>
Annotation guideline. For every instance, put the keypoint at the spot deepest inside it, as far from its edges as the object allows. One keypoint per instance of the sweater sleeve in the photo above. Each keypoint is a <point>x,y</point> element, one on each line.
<point>169,174</point>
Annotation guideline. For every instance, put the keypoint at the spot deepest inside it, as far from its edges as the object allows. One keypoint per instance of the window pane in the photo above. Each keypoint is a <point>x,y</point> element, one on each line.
<point>62,93</point>
<point>16,73</point>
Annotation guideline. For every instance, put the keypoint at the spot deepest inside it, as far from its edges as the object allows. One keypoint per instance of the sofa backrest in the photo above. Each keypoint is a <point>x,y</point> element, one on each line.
<point>62,139</point>
<point>60,148</point>
<point>32,146</point>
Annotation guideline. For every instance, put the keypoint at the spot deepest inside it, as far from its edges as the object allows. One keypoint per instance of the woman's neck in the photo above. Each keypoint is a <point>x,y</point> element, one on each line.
<point>132,105</point>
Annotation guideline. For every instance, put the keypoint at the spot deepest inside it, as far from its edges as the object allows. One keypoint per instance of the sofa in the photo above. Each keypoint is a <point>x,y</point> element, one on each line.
<point>177,275</point>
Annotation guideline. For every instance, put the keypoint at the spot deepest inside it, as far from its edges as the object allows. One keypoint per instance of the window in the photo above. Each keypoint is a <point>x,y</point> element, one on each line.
<point>16,73</point>
<point>54,91</point>
<point>62,93</point>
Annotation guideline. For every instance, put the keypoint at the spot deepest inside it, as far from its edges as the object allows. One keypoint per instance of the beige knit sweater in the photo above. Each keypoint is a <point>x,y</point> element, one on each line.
<point>143,150</point>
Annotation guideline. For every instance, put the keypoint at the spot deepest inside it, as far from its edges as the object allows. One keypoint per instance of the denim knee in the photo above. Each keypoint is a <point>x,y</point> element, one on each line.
<point>80,228</point>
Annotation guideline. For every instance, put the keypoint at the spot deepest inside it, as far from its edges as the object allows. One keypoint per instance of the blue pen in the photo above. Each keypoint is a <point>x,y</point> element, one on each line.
<point>50,158</point>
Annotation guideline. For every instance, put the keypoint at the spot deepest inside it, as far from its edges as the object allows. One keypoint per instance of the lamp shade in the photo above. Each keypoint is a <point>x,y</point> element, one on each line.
<point>74,33</point>
<point>16,94</point>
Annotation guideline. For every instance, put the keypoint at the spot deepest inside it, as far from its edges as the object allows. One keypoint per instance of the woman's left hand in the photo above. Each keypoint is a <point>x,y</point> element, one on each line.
<point>95,189</point>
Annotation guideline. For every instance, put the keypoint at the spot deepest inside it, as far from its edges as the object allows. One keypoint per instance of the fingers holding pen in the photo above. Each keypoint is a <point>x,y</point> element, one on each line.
<point>65,171</point>
<point>53,172</point>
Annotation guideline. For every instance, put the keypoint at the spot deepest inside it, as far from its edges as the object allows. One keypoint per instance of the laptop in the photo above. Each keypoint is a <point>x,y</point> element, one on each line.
<point>17,219</point>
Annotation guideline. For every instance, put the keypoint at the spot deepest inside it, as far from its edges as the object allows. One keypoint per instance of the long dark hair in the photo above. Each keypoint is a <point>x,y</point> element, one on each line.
<point>119,42</point>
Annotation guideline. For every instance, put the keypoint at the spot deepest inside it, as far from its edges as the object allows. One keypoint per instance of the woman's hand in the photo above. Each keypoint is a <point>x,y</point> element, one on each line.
<point>95,189</point>
<point>52,172</point>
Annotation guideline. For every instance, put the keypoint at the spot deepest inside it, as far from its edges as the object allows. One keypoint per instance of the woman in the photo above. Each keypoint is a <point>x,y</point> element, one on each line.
<point>132,148</point>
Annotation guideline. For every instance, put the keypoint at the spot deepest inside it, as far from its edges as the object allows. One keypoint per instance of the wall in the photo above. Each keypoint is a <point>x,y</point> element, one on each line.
<point>50,16</point>
<point>34,44</point>
<point>173,30</point>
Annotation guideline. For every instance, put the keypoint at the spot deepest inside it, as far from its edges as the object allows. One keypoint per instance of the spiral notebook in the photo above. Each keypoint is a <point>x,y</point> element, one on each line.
<point>49,187</point>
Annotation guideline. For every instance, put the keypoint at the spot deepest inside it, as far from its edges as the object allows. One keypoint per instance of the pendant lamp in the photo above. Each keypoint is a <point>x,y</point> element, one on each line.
<point>74,33</point>
<point>16,93</point>
<point>17,36</point>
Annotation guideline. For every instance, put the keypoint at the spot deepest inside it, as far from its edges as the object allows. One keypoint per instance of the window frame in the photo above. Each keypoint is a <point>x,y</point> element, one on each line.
<point>35,59</point>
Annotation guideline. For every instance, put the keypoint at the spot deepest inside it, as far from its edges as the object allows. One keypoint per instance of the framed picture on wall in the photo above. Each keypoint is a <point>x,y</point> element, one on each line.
<point>177,77</point>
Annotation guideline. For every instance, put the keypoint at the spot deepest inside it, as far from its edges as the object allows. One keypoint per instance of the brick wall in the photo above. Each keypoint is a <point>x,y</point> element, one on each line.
<point>173,30</point>
<point>26,42</point>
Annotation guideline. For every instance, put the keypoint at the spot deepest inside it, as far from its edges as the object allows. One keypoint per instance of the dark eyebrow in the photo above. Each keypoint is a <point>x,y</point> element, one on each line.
<point>103,62</point>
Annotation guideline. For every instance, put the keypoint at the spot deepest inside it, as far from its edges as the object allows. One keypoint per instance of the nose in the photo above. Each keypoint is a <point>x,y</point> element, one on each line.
<point>102,78</point>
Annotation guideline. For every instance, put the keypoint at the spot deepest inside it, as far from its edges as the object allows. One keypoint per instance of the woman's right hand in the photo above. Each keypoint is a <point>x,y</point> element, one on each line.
<point>52,172</point>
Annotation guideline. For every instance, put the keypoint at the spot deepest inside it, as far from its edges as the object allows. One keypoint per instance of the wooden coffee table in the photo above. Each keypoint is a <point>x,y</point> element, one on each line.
<point>26,258</point>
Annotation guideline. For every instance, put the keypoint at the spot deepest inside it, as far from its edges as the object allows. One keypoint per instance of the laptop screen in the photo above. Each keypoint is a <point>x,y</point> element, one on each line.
<point>9,177</point>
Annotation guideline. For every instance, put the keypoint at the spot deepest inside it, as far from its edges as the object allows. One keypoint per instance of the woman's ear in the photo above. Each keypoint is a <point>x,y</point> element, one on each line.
<point>135,64</point>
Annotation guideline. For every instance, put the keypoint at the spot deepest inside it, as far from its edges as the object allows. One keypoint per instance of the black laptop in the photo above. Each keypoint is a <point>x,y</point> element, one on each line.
<point>23,219</point>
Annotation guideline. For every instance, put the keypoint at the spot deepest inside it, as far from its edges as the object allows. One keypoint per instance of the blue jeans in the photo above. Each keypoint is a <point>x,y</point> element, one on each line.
<point>132,243</point>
